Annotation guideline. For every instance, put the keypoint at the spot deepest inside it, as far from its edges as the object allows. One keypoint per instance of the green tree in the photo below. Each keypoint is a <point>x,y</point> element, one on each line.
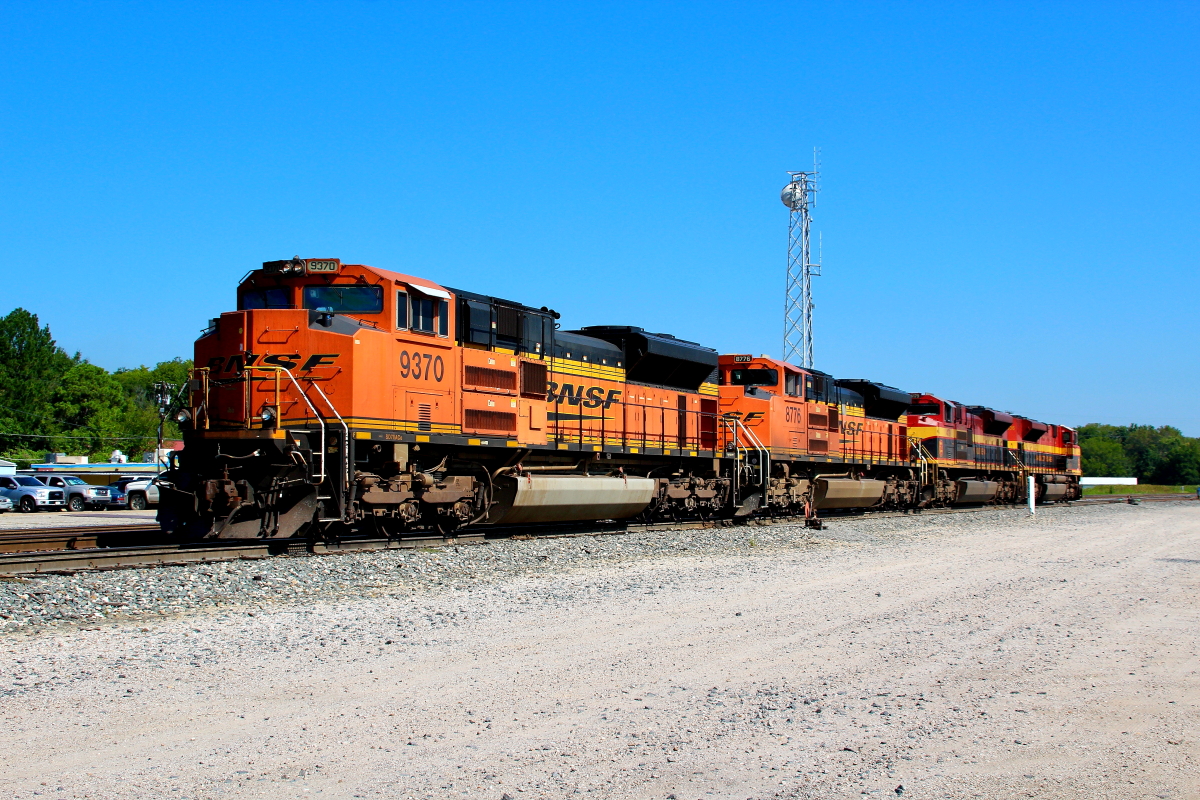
<point>139,385</point>
<point>31,368</point>
<point>89,402</point>
<point>1104,458</point>
<point>1180,462</point>
<point>1154,455</point>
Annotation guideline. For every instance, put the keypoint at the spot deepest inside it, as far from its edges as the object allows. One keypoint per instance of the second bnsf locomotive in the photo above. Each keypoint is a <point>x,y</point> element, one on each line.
<point>344,398</point>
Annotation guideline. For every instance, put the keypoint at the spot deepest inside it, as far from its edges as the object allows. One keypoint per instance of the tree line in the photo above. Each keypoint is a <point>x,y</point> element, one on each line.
<point>1161,456</point>
<point>51,401</point>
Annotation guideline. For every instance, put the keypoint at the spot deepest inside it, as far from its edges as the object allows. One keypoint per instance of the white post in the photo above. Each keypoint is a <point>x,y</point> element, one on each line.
<point>1029,489</point>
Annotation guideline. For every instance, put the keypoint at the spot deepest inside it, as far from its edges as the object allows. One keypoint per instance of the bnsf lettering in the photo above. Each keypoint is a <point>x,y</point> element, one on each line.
<point>588,397</point>
<point>237,363</point>
<point>852,428</point>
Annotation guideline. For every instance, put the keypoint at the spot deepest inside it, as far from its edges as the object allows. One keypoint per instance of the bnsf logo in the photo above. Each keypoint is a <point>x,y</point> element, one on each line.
<point>286,361</point>
<point>591,397</point>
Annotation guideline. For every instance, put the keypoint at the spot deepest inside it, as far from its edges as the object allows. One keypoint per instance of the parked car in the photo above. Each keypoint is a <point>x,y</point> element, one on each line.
<point>116,496</point>
<point>5,504</point>
<point>30,494</point>
<point>142,492</point>
<point>80,493</point>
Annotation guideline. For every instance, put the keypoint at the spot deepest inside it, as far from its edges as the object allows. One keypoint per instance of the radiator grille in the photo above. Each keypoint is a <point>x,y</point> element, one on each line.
<point>818,446</point>
<point>508,322</point>
<point>424,417</point>
<point>484,378</point>
<point>533,380</point>
<point>479,419</point>
<point>818,421</point>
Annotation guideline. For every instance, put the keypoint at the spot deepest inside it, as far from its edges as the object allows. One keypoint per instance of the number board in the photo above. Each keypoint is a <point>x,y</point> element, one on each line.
<point>323,265</point>
<point>742,359</point>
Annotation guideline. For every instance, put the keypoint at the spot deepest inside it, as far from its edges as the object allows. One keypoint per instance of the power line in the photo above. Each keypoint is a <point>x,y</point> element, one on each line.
<point>148,437</point>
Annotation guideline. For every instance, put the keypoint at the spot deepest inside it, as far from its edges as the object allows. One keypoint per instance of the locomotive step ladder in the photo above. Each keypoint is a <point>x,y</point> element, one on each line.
<point>737,430</point>
<point>336,483</point>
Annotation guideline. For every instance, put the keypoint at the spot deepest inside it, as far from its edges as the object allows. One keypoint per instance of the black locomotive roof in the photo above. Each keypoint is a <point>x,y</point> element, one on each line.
<point>484,298</point>
<point>658,359</point>
<point>878,399</point>
<point>569,344</point>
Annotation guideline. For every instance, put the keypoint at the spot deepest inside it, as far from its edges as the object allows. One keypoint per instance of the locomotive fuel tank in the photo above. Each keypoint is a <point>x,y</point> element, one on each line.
<point>1055,488</point>
<point>569,498</point>
<point>848,492</point>
<point>977,491</point>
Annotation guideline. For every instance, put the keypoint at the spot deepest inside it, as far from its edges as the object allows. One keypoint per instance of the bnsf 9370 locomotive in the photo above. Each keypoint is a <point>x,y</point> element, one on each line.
<point>342,397</point>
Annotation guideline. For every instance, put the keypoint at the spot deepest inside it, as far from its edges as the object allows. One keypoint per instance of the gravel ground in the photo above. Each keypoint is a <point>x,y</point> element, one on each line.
<point>16,520</point>
<point>970,655</point>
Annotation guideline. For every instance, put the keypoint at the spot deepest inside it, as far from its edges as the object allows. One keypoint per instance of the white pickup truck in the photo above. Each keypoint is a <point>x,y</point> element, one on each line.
<point>142,493</point>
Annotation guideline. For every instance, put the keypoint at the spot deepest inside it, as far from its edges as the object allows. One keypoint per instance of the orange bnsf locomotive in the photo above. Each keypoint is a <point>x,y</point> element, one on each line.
<point>343,398</point>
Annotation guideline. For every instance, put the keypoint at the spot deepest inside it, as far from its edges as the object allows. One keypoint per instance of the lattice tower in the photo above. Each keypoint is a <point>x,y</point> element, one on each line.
<point>800,197</point>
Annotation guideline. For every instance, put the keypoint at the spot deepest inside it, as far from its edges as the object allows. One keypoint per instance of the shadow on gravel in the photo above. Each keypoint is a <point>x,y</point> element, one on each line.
<point>1181,560</point>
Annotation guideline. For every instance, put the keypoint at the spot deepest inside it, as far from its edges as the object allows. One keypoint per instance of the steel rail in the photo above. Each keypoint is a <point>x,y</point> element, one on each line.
<point>19,540</point>
<point>101,558</point>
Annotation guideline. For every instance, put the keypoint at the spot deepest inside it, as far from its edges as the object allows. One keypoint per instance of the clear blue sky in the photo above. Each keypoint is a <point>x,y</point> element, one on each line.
<point>1010,197</point>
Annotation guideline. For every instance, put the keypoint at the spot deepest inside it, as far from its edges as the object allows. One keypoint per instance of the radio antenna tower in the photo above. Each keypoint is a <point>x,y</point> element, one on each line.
<point>800,195</point>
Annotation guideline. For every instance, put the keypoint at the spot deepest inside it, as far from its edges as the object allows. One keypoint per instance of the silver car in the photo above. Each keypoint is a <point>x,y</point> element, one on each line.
<point>30,494</point>
<point>80,493</point>
<point>5,504</point>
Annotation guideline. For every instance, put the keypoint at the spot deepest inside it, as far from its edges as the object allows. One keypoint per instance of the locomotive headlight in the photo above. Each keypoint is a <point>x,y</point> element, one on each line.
<point>183,416</point>
<point>268,414</point>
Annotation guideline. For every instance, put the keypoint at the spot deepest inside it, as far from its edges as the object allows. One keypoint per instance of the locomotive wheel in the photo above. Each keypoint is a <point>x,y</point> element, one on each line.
<point>443,524</point>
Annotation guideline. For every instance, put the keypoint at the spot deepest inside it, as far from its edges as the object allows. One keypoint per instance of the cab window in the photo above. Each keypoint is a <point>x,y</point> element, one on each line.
<point>754,377</point>
<point>791,384</point>
<point>429,315</point>
<point>344,299</point>
<point>266,298</point>
<point>422,314</point>
<point>401,310</point>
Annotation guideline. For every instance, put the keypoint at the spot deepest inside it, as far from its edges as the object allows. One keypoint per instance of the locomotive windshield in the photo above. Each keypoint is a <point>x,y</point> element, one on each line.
<point>754,377</point>
<point>266,298</point>
<point>344,299</point>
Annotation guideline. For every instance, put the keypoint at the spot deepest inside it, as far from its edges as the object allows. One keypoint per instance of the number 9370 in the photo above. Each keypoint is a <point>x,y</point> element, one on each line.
<point>422,366</point>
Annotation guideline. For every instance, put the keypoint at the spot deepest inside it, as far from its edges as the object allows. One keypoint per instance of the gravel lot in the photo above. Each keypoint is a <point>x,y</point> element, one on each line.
<point>974,655</point>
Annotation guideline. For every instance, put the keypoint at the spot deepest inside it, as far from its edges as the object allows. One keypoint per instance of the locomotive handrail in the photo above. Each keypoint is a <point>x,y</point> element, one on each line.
<point>324,473</point>
<point>345,499</point>
<point>735,424</point>
<point>923,457</point>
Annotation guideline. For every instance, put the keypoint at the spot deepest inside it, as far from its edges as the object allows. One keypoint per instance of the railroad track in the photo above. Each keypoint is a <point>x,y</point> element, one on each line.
<point>82,537</point>
<point>65,550</point>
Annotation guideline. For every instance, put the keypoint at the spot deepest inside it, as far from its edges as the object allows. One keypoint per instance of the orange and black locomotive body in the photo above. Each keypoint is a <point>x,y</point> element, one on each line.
<point>342,397</point>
